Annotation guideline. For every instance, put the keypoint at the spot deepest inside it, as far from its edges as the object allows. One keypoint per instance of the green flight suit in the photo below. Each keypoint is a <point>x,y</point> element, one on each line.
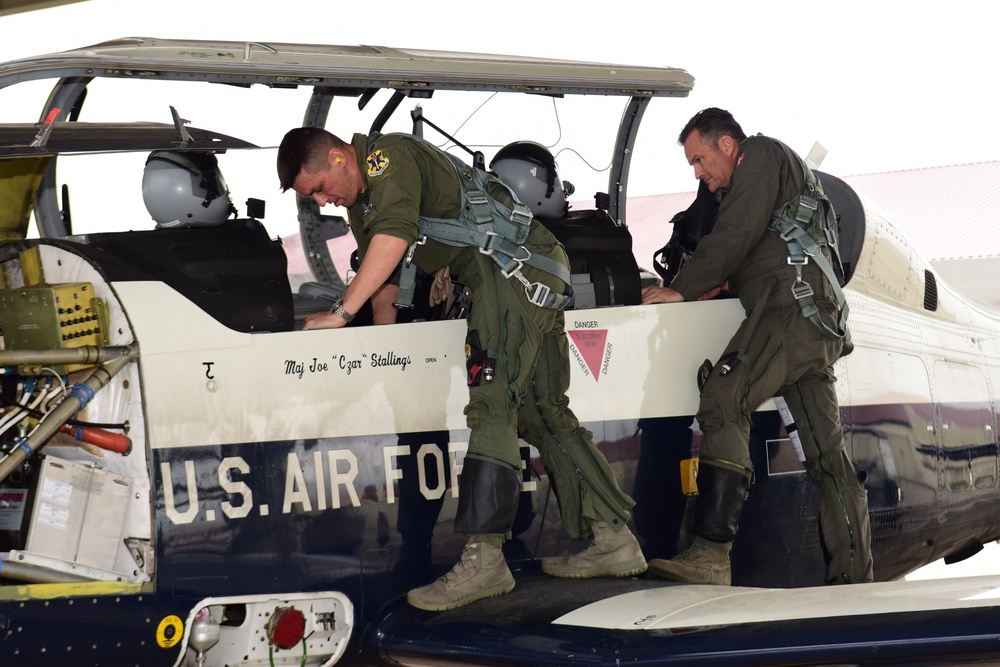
<point>406,178</point>
<point>784,354</point>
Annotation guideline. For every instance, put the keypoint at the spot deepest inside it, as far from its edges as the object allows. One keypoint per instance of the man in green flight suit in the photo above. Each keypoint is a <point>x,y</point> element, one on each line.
<point>517,351</point>
<point>777,351</point>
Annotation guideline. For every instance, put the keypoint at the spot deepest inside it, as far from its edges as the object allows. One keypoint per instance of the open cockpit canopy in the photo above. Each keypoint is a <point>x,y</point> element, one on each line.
<point>102,101</point>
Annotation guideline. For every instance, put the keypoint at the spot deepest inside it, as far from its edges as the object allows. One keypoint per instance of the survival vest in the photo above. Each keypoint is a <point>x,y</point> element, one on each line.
<point>807,223</point>
<point>496,230</point>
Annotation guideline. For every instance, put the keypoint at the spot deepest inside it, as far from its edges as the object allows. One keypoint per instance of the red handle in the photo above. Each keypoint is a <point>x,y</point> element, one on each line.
<point>113,442</point>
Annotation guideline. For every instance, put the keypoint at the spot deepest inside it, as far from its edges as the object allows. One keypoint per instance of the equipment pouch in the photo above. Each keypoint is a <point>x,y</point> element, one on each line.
<point>689,477</point>
<point>703,372</point>
<point>477,362</point>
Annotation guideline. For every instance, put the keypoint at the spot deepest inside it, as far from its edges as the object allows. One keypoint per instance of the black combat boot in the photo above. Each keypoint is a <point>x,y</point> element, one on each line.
<point>721,494</point>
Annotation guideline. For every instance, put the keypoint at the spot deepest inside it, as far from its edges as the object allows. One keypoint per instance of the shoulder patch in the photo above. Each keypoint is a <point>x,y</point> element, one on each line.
<point>377,162</point>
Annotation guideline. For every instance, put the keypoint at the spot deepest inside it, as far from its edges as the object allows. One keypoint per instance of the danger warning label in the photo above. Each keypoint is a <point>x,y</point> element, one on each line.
<point>590,347</point>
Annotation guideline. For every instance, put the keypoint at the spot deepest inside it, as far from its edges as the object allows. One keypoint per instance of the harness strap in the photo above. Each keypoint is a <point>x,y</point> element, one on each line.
<point>408,276</point>
<point>496,230</point>
<point>802,246</point>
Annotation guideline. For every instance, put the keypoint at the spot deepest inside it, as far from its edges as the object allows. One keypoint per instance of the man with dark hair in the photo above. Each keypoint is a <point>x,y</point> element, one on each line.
<point>398,188</point>
<point>794,332</point>
<point>712,124</point>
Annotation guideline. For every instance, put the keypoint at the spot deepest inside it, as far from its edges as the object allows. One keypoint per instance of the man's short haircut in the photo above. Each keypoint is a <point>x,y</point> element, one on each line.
<point>304,148</point>
<point>712,124</point>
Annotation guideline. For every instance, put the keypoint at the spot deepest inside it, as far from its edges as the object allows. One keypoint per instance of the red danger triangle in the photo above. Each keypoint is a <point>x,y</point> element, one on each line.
<point>590,343</point>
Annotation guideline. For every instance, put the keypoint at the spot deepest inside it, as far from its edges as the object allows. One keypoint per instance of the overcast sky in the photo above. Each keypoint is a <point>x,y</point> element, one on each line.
<point>883,85</point>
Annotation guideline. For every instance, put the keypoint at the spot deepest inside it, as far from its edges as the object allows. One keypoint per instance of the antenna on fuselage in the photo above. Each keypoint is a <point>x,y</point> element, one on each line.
<point>183,136</point>
<point>816,155</point>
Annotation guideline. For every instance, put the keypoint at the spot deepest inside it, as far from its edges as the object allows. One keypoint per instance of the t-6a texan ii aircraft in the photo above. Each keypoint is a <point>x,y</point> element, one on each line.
<point>189,478</point>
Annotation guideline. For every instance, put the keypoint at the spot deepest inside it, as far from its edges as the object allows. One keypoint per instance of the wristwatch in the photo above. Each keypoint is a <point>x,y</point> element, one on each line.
<point>339,310</point>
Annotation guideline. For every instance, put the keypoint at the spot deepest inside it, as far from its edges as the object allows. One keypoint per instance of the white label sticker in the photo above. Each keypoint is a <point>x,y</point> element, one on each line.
<point>53,517</point>
<point>56,492</point>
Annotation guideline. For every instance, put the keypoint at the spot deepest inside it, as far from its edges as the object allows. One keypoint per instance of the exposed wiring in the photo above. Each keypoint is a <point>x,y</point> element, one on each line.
<point>583,159</point>
<point>57,376</point>
<point>444,145</point>
<point>75,422</point>
<point>10,419</point>
<point>270,652</point>
<point>56,391</point>
<point>25,390</point>
<point>555,111</point>
<point>43,394</point>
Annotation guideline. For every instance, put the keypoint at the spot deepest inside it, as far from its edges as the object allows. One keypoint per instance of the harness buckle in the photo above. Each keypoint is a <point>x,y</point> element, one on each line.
<point>515,272</point>
<point>801,290</point>
<point>537,293</point>
<point>517,213</point>
<point>487,247</point>
<point>520,261</point>
<point>477,198</point>
<point>540,296</point>
<point>810,205</point>
<point>421,240</point>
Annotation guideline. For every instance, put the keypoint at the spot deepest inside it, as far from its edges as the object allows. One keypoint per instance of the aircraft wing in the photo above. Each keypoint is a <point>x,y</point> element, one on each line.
<point>547,621</point>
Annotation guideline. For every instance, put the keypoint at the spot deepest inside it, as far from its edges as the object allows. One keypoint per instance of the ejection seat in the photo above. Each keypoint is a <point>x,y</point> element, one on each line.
<point>234,271</point>
<point>603,269</point>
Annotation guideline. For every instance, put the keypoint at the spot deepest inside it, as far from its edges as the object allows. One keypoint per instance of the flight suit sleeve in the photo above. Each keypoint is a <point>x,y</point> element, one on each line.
<point>743,218</point>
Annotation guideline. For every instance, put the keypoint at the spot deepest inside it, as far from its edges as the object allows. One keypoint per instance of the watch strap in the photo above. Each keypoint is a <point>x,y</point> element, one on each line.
<point>339,310</point>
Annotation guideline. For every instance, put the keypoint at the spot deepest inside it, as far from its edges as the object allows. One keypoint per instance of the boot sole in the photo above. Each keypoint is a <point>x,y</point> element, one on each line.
<point>631,568</point>
<point>499,589</point>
